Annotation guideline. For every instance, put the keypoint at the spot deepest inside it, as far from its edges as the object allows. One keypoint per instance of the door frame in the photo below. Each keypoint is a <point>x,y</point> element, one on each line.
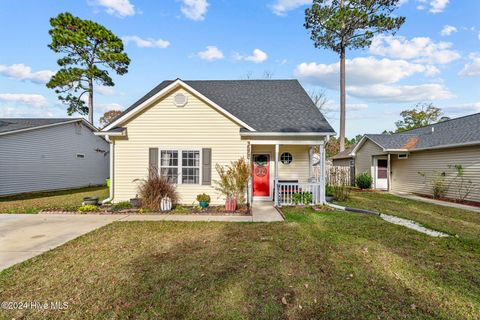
<point>375,170</point>
<point>271,173</point>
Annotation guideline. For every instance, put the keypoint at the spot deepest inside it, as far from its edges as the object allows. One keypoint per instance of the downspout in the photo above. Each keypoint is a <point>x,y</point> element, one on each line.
<point>112,150</point>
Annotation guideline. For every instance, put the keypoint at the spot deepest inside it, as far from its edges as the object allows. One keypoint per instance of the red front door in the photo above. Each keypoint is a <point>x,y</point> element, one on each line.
<point>261,175</point>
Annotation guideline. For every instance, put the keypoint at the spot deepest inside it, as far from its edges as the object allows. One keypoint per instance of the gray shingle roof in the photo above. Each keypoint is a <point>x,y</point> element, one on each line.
<point>14,124</point>
<point>345,154</point>
<point>265,105</point>
<point>457,131</point>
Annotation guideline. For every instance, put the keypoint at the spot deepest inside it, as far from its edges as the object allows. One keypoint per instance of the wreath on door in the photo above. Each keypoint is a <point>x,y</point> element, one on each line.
<point>260,169</point>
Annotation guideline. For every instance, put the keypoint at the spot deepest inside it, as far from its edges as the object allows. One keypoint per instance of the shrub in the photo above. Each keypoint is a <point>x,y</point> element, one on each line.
<point>121,206</point>
<point>302,197</point>
<point>439,185</point>
<point>363,181</point>
<point>329,190</point>
<point>154,189</point>
<point>203,198</point>
<point>88,208</point>
<point>341,193</point>
<point>233,179</point>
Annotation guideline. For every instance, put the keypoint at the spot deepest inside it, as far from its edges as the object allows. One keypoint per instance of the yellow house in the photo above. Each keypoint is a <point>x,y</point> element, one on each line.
<point>185,128</point>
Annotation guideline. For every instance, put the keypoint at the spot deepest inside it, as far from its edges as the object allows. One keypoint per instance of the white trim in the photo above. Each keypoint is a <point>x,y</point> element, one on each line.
<point>112,155</point>
<point>269,198</point>
<point>287,134</point>
<point>165,91</point>
<point>375,170</point>
<point>85,122</point>
<point>286,142</point>
<point>122,133</point>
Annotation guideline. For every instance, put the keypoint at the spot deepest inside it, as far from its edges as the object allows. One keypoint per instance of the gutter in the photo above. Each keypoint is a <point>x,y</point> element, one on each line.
<point>112,150</point>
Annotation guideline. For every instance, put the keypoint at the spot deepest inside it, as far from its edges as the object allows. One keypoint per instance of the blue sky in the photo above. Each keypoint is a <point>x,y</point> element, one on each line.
<point>435,57</point>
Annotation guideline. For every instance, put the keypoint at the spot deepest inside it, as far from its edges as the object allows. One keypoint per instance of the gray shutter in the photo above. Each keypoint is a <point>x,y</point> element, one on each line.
<point>206,166</point>
<point>152,160</point>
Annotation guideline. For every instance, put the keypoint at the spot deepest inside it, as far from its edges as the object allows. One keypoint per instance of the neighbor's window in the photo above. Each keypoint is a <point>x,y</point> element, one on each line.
<point>169,165</point>
<point>286,158</point>
<point>190,167</point>
<point>80,156</point>
<point>403,156</point>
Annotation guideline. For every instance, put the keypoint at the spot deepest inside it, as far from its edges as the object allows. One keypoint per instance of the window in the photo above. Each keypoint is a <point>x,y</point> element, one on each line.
<point>169,165</point>
<point>190,167</point>
<point>184,162</point>
<point>403,156</point>
<point>80,156</point>
<point>286,158</point>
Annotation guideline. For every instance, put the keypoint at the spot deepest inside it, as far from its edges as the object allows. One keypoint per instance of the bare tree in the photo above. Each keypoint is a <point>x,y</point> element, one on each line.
<point>267,74</point>
<point>319,98</point>
<point>247,76</point>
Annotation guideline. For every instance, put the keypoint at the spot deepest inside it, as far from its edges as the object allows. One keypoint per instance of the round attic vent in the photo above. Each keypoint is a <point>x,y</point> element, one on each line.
<point>180,99</point>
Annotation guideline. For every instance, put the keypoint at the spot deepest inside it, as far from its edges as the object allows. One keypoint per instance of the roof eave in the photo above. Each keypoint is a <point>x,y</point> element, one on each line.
<point>85,122</point>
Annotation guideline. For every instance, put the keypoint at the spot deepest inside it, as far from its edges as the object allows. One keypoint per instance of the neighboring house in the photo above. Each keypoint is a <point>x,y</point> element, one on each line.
<point>406,162</point>
<point>50,154</point>
<point>185,128</point>
<point>343,163</point>
<point>344,158</point>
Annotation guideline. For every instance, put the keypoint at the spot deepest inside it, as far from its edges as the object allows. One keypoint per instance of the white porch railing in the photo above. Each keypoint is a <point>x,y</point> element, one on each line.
<point>291,193</point>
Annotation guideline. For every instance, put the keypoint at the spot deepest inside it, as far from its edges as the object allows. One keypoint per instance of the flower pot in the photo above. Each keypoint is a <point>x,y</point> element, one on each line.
<point>203,204</point>
<point>231,204</point>
<point>90,200</point>
<point>136,202</point>
<point>166,204</point>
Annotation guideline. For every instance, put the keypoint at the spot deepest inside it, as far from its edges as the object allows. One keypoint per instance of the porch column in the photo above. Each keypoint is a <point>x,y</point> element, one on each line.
<point>321,149</point>
<point>310,162</point>
<point>276,175</point>
<point>388,172</point>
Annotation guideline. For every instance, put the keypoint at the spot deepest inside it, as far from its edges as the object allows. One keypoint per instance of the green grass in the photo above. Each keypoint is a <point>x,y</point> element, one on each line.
<point>34,202</point>
<point>465,224</point>
<point>330,265</point>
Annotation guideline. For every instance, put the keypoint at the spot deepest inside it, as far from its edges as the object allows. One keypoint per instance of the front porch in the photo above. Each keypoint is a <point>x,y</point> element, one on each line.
<point>287,172</point>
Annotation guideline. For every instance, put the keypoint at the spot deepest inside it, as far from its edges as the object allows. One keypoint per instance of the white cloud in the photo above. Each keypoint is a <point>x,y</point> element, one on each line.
<point>401,93</point>
<point>146,43</point>
<point>362,71</point>
<point>421,49</point>
<point>211,53</point>
<point>194,9</point>
<point>448,30</point>
<point>280,7</point>
<point>121,8</point>
<point>473,107</point>
<point>35,100</point>
<point>104,107</point>
<point>23,72</point>
<point>257,56</point>
<point>434,6</point>
<point>105,90</point>
<point>334,106</point>
<point>471,69</point>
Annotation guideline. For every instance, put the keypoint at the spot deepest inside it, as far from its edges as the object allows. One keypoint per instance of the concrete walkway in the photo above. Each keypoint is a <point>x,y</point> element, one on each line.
<point>264,211</point>
<point>438,202</point>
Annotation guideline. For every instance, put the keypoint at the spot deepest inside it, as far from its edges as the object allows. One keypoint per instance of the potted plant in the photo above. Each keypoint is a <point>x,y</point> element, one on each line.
<point>233,182</point>
<point>203,200</point>
<point>156,192</point>
<point>136,202</point>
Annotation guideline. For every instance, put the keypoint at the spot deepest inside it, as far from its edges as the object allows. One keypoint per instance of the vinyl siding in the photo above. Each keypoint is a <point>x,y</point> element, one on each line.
<point>45,159</point>
<point>298,169</point>
<point>405,177</point>
<point>363,157</point>
<point>165,126</point>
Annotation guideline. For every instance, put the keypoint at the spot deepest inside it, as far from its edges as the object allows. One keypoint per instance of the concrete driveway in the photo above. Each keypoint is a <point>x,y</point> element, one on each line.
<point>23,236</point>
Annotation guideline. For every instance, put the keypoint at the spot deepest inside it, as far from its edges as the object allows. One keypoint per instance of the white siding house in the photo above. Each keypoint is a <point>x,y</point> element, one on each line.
<point>50,154</point>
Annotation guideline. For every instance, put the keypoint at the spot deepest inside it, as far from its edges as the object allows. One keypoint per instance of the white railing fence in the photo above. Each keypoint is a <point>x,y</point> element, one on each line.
<point>291,193</point>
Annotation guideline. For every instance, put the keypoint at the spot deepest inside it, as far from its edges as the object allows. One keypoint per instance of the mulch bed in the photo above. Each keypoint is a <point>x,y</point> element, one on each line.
<point>465,202</point>
<point>105,210</point>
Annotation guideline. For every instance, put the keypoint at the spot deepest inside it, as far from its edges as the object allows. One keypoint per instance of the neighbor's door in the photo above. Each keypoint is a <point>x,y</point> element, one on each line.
<point>261,175</point>
<point>381,176</point>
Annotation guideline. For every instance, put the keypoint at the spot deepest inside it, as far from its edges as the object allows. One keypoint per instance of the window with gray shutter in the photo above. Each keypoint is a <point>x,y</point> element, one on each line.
<point>206,166</point>
<point>152,160</point>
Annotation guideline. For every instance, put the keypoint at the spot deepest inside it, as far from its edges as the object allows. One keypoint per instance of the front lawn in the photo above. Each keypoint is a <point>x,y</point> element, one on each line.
<point>465,224</point>
<point>34,202</point>
<point>330,265</point>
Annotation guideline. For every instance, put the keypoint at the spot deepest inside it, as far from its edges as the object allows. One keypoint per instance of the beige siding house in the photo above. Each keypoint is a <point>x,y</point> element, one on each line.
<point>185,128</point>
<point>408,161</point>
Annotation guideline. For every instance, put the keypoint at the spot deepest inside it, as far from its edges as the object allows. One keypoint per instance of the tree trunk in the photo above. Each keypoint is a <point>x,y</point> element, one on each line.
<point>342,100</point>
<point>90,101</point>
